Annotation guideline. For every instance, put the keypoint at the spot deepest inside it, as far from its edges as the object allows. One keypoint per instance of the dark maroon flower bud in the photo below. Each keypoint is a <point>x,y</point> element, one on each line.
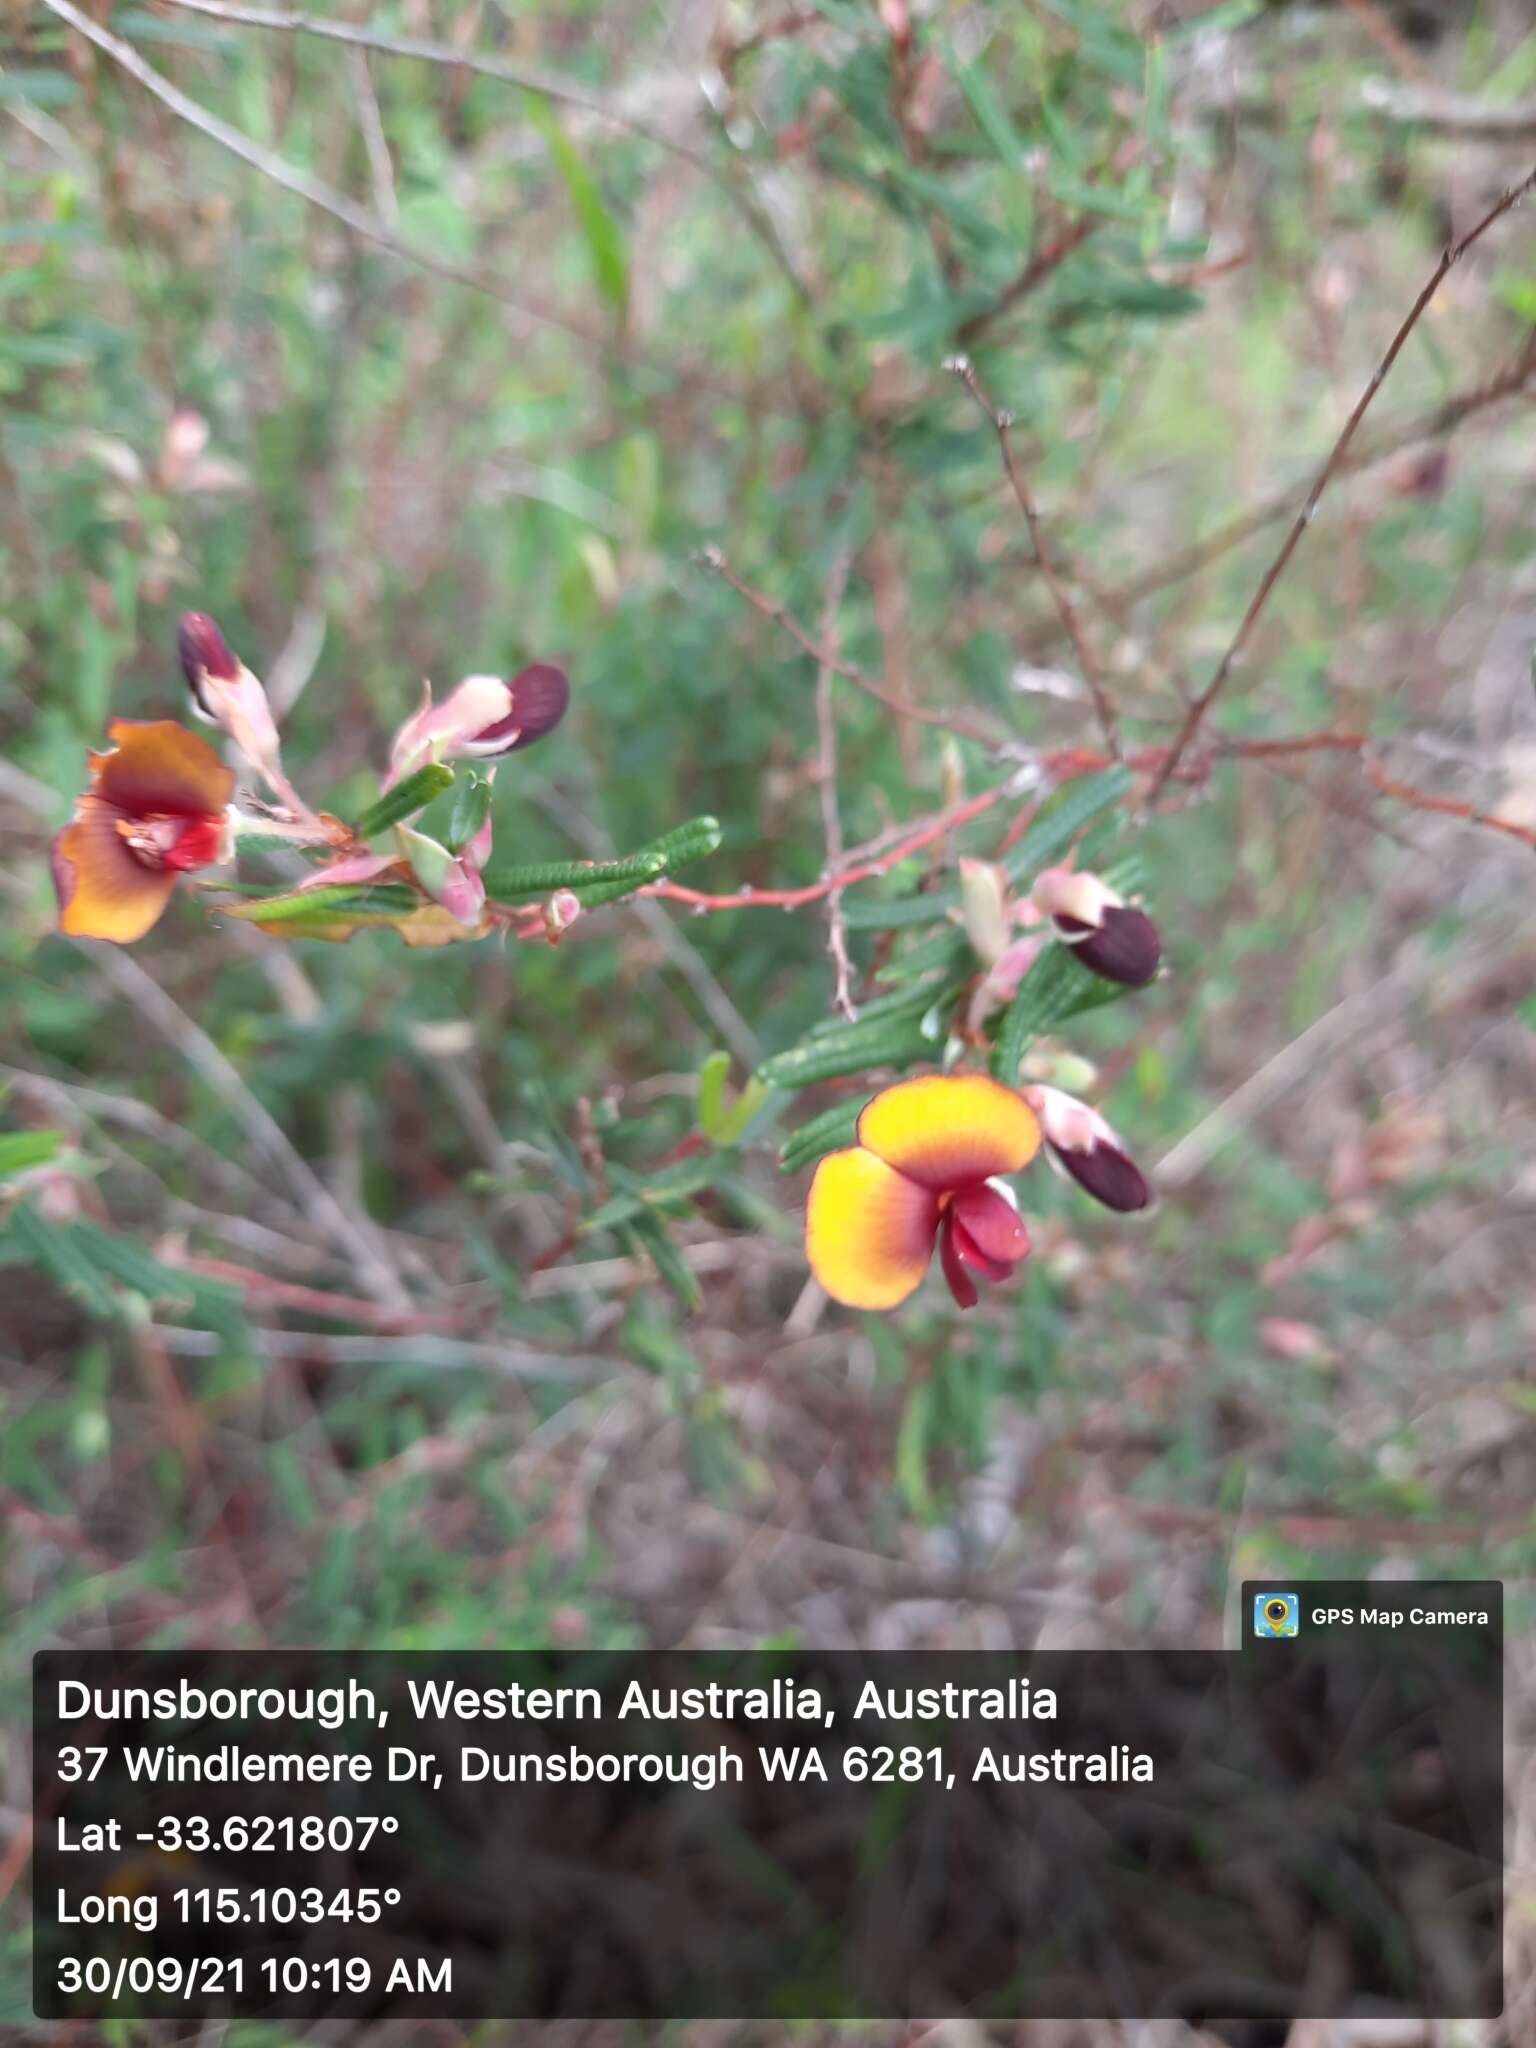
<point>1110,1177</point>
<point>540,695</point>
<point>204,652</point>
<point>1109,935</point>
<point>1124,947</point>
<point>1083,1144</point>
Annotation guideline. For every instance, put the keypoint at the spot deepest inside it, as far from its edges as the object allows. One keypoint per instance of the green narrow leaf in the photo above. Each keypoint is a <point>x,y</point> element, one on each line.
<point>831,1131</point>
<point>746,1106</point>
<point>687,842</point>
<point>639,1196</point>
<point>53,1248</point>
<point>649,1235</point>
<point>991,118</point>
<point>946,950</point>
<point>541,878</point>
<point>1057,987</point>
<point>896,913</point>
<point>1062,816</point>
<point>712,1104</point>
<point>310,906</point>
<point>467,812</point>
<point>912,1450</point>
<point>412,794</point>
<point>613,892</point>
<point>894,1044</point>
<point>901,1002</point>
<point>604,236</point>
<point>20,1150</point>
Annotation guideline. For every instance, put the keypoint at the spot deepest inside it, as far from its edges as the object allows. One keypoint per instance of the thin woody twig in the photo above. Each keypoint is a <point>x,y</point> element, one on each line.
<point>1195,716</point>
<point>816,892</point>
<point>826,783</point>
<point>1002,426</point>
<point>356,1236</point>
<point>1426,427</point>
<point>1446,806</point>
<point>1062,766</point>
<point>1034,274</point>
<point>550,85</point>
<point>313,191</point>
<point>769,608</point>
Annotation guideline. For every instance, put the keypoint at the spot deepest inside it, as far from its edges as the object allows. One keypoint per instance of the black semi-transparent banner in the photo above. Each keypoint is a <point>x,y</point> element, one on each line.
<point>1308,1826</point>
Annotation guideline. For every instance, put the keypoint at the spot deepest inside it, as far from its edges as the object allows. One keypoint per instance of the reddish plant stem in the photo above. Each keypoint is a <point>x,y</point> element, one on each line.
<point>816,892</point>
<point>1195,716</point>
<point>1447,806</point>
<point>1064,766</point>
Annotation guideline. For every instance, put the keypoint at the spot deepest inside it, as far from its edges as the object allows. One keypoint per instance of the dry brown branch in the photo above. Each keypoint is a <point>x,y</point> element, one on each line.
<point>530,77</point>
<point>1040,266</point>
<point>1002,426</point>
<point>1446,806</point>
<point>1445,418</point>
<point>1390,40</point>
<point>1235,651</point>
<point>357,1238</point>
<point>1452,113</point>
<point>313,191</point>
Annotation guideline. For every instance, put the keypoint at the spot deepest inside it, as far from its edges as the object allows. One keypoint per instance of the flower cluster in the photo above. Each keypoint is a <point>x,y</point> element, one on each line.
<point>933,1154</point>
<point>163,803</point>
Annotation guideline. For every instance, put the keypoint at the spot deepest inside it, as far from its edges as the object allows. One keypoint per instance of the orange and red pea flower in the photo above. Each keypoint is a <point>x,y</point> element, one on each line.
<point>157,807</point>
<point>924,1171</point>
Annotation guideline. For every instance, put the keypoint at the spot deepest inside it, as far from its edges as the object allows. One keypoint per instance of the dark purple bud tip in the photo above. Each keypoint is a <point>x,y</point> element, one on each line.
<point>1124,948</point>
<point>540,695</point>
<point>1109,1176</point>
<point>204,651</point>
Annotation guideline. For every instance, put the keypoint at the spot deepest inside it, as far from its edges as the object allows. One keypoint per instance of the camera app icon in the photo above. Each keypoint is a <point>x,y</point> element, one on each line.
<point>1276,1615</point>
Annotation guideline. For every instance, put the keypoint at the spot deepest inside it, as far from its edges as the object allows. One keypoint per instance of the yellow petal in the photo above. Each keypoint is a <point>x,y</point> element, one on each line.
<point>104,892</point>
<point>868,1230</point>
<point>947,1130</point>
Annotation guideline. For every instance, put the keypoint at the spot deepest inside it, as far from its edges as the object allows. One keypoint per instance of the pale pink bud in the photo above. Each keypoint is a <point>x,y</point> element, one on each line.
<point>984,909</point>
<point>225,693</point>
<point>1000,984</point>
<point>463,894</point>
<point>481,718</point>
<point>561,912</point>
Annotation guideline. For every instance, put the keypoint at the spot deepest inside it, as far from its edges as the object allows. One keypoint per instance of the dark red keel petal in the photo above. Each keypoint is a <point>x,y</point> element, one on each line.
<point>961,1285</point>
<point>992,1224</point>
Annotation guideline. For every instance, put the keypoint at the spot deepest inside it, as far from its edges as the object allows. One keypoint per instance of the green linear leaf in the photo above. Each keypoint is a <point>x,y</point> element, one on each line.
<point>690,841</point>
<point>307,906</point>
<point>411,794</point>
<point>1057,987</point>
<point>831,1131</point>
<point>1062,816</point>
<point>20,1150</point>
<point>527,883</point>
<point>894,1044</point>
